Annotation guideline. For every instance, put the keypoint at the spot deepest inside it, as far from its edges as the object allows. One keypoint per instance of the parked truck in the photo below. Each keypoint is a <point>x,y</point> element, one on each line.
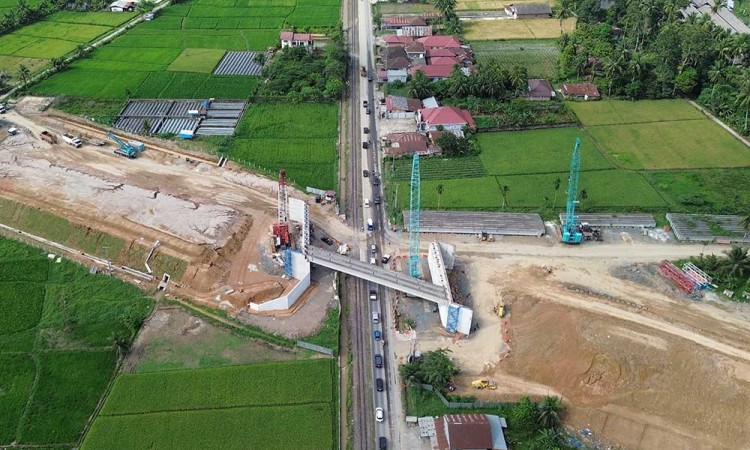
<point>49,137</point>
<point>72,140</point>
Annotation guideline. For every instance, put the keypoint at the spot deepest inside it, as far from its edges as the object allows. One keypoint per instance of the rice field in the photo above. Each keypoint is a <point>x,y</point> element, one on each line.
<point>248,406</point>
<point>489,30</point>
<point>663,134</point>
<point>301,138</point>
<point>33,46</point>
<point>188,39</point>
<point>538,56</point>
<point>57,344</point>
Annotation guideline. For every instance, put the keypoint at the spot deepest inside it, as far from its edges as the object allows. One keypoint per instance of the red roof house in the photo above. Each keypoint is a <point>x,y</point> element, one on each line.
<point>403,144</point>
<point>433,72</point>
<point>440,41</point>
<point>392,40</point>
<point>292,39</point>
<point>443,61</point>
<point>437,51</point>
<point>448,117</point>
<point>585,91</point>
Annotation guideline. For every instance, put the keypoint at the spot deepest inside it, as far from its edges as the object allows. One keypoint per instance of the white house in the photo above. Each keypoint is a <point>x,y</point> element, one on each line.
<point>292,39</point>
<point>122,6</point>
<point>448,118</point>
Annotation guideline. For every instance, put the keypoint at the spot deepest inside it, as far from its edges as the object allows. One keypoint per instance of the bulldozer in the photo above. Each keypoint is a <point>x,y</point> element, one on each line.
<point>484,384</point>
<point>486,237</point>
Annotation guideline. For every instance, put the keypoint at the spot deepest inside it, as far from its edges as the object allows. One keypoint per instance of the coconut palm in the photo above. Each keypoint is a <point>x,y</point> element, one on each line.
<point>736,263</point>
<point>23,73</point>
<point>745,223</point>
<point>564,11</point>
<point>504,191</point>
<point>549,412</point>
<point>557,184</point>
<point>547,439</point>
<point>419,87</point>
<point>716,74</point>
<point>742,100</point>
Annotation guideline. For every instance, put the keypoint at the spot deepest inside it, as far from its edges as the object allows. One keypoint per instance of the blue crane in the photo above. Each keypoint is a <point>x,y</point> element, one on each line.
<point>414,219</point>
<point>570,232</point>
<point>125,149</point>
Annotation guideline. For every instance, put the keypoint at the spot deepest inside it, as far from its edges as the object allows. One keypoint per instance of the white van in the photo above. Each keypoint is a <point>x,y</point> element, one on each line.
<point>375,317</point>
<point>367,203</point>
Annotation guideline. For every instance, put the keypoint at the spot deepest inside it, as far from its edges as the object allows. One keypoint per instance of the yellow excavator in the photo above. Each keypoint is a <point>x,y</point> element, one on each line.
<point>484,384</point>
<point>499,309</point>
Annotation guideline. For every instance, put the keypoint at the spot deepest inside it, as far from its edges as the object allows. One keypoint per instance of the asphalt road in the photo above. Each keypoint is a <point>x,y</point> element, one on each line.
<point>367,431</point>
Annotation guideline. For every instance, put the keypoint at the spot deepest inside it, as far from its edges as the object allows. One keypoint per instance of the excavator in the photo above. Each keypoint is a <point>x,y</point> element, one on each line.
<point>125,149</point>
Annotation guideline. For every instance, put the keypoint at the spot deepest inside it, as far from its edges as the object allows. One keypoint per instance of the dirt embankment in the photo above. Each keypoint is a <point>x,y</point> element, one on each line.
<point>637,367</point>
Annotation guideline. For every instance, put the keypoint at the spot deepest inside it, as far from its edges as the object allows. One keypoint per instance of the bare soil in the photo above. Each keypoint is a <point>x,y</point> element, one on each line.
<point>174,339</point>
<point>637,364</point>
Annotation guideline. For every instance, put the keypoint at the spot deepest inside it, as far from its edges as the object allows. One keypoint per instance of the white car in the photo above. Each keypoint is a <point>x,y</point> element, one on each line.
<point>379,414</point>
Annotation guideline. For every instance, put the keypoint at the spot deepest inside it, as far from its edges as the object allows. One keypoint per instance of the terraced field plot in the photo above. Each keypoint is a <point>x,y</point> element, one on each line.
<point>188,38</point>
<point>248,406</point>
<point>538,56</point>
<point>664,134</point>
<point>57,343</point>
<point>487,30</point>
<point>57,35</point>
<point>298,137</point>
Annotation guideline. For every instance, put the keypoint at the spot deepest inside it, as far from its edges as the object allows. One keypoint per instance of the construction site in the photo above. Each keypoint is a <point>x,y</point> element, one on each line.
<point>200,210</point>
<point>642,354</point>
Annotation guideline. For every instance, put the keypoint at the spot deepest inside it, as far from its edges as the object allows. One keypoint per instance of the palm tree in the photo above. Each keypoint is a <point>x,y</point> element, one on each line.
<point>504,191</point>
<point>518,77</point>
<point>716,74</point>
<point>736,264</point>
<point>24,73</point>
<point>81,50</point>
<point>453,24</point>
<point>549,412</point>
<point>718,4</point>
<point>440,193</point>
<point>419,87</point>
<point>557,183</point>
<point>636,65</point>
<point>745,223</point>
<point>743,95</point>
<point>547,439</point>
<point>564,11</point>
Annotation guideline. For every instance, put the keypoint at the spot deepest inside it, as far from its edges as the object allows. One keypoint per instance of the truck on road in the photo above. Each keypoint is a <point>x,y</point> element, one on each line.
<point>72,140</point>
<point>370,225</point>
<point>49,137</point>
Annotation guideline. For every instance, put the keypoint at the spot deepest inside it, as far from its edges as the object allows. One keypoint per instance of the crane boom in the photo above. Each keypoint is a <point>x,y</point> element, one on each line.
<point>571,234</point>
<point>125,149</point>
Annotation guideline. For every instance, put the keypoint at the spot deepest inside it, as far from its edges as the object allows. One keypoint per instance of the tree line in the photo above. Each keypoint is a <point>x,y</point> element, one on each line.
<point>23,14</point>
<point>643,49</point>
